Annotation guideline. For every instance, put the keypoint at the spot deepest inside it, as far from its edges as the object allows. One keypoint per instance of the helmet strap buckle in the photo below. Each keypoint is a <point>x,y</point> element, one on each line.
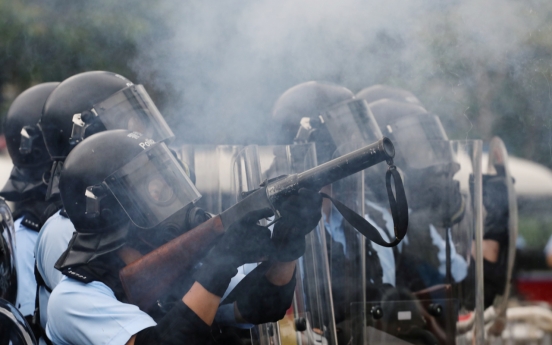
<point>307,126</point>
<point>28,136</point>
<point>81,122</point>
<point>94,196</point>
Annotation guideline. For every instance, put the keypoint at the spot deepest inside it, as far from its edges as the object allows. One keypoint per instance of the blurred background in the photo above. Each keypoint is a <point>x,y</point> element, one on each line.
<point>215,69</point>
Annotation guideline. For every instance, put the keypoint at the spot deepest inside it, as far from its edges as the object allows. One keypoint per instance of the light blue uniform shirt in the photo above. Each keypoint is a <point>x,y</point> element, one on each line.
<point>52,241</point>
<point>458,265</point>
<point>80,313</point>
<point>385,254</point>
<point>25,240</point>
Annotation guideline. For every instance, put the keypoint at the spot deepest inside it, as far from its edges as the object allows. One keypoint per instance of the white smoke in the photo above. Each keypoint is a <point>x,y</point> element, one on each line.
<point>227,62</point>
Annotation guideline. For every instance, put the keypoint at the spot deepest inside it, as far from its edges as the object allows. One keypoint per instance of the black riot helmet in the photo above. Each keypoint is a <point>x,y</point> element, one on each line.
<point>304,100</point>
<point>115,178</point>
<point>378,92</point>
<point>303,105</point>
<point>92,102</point>
<point>8,274</point>
<point>25,144</point>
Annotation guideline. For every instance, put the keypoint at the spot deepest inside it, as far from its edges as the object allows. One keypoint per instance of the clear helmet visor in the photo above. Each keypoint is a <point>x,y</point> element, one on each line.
<point>351,121</point>
<point>132,108</point>
<point>421,141</point>
<point>152,187</point>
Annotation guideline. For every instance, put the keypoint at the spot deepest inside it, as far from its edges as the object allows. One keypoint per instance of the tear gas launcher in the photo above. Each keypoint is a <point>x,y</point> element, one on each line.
<point>147,278</point>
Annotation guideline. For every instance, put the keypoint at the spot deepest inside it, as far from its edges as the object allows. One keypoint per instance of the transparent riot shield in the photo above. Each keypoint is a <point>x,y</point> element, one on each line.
<point>14,330</point>
<point>500,228</point>
<point>425,290</point>
<point>310,320</point>
<point>221,173</point>
<point>8,274</point>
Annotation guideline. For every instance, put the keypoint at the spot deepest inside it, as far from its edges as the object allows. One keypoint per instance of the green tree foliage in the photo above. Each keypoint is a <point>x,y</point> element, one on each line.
<point>51,40</point>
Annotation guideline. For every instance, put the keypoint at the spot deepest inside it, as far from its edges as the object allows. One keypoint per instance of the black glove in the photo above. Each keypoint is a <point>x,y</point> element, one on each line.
<point>300,214</point>
<point>258,300</point>
<point>241,244</point>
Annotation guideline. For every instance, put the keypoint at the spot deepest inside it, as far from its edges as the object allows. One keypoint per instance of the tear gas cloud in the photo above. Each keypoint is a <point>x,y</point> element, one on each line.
<point>226,63</point>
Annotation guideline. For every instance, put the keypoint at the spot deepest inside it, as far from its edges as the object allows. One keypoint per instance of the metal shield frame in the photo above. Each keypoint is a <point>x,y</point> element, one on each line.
<point>221,173</point>
<point>310,320</point>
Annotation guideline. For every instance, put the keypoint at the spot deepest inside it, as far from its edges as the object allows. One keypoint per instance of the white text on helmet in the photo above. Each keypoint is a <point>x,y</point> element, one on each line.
<point>147,143</point>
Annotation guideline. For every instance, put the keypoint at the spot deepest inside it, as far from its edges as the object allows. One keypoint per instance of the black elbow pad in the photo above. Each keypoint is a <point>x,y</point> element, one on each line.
<point>258,300</point>
<point>179,326</point>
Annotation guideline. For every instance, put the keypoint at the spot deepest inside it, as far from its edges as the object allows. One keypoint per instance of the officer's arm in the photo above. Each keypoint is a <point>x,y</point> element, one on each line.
<point>186,323</point>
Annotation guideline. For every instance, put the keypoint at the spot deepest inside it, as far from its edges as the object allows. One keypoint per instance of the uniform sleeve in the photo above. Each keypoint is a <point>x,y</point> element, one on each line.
<point>25,240</point>
<point>459,266</point>
<point>52,241</point>
<point>84,314</point>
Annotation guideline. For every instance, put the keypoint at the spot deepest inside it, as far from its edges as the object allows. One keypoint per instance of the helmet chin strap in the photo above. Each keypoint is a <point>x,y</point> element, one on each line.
<point>28,135</point>
<point>81,122</point>
<point>53,182</point>
<point>94,196</point>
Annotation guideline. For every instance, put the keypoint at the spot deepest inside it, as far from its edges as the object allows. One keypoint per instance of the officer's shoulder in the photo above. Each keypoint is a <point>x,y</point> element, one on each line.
<point>83,291</point>
<point>55,223</point>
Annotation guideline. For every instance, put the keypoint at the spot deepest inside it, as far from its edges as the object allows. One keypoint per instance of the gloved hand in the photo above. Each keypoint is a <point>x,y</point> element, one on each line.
<point>300,215</point>
<point>242,243</point>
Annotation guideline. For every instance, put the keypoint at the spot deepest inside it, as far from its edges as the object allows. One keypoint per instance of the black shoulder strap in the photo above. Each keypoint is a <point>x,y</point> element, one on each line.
<point>399,212</point>
<point>35,213</point>
<point>35,324</point>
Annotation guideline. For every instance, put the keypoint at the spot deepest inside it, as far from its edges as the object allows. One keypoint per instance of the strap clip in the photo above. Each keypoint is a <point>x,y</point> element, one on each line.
<point>94,196</point>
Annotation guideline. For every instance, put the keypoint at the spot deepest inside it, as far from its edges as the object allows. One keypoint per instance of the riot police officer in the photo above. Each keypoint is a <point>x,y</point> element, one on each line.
<point>121,191</point>
<point>26,186</point>
<point>331,117</point>
<point>411,126</point>
<point>78,107</point>
<point>423,151</point>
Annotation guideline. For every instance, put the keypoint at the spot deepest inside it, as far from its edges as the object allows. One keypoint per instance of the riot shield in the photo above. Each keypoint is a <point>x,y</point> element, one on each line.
<point>14,330</point>
<point>310,320</point>
<point>422,291</point>
<point>8,275</point>
<point>500,227</point>
<point>221,173</point>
